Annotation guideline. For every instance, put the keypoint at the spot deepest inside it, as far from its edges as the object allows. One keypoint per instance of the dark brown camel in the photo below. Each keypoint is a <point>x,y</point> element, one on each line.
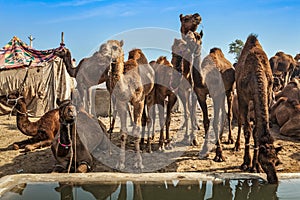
<point>282,65</point>
<point>163,80</point>
<point>296,73</point>
<point>286,113</point>
<point>42,131</point>
<point>254,82</point>
<point>70,153</point>
<point>93,70</point>
<point>291,90</point>
<point>132,82</point>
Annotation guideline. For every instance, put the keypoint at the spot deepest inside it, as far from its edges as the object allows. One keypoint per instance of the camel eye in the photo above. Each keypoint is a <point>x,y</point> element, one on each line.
<point>114,48</point>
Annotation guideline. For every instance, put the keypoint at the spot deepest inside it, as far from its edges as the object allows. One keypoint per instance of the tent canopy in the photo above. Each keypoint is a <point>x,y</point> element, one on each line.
<point>47,76</point>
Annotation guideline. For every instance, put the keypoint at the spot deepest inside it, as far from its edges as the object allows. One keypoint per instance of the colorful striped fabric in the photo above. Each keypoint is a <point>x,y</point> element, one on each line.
<point>16,54</point>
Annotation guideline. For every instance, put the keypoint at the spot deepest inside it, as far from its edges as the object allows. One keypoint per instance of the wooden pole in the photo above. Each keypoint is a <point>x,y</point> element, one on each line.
<point>30,40</point>
<point>62,39</point>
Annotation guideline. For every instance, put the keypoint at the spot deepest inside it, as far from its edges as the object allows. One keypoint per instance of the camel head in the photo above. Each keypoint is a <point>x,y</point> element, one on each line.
<point>189,22</point>
<point>113,50</point>
<point>138,55</point>
<point>297,57</point>
<point>67,111</point>
<point>63,53</point>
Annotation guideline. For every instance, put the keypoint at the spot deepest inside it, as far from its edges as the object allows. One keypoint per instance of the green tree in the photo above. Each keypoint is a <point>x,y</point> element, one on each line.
<point>236,48</point>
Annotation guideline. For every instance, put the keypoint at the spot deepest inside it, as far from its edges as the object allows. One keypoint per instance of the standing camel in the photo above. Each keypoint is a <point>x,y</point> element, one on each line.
<point>254,82</point>
<point>282,66</point>
<point>214,76</point>
<point>132,86</point>
<point>93,70</point>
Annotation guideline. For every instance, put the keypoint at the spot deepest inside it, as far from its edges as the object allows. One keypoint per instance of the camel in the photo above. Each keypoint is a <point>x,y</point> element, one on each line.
<point>296,72</point>
<point>286,113</point>
<point>254,82</point>
<point>92,70</point>
<point>189,23</point>
<point>214,76</point>
<point>70,153</point>
<point>162,89</point>
<point>132,86</point>
<point>291,90</point>
<point>282,65</point>
<point>42,131</point>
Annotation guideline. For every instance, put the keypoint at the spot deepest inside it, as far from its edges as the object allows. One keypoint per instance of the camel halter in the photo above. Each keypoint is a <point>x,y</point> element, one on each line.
<point>14,106</point>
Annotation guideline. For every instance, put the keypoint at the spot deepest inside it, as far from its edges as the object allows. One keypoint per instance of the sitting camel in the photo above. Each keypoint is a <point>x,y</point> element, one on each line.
<point>296,73</point>
<point>70,153</point>
<point>282,65</point>
<point>42,131</point>
<point>286,113</point>
<point>291,90</point>
<point>254,82</point>
<point>132,82</point>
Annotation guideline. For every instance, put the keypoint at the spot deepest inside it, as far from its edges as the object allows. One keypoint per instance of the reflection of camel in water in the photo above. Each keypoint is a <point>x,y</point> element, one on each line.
<point>132,82</point>
<point>93,70</point>
<point>254,82</point>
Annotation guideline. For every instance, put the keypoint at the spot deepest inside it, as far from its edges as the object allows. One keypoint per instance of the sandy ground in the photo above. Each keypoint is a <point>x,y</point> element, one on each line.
<point>182,158</point>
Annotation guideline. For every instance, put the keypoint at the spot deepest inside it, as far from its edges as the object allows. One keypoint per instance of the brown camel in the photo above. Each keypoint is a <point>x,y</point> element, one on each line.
<point>133,86</point>
<point>214,76</point>
<point>163,80</point>
<point>254,82</point>
<point>282,65</point>
<point>296,73</point>
<point>189,23</point>
<point>93,70</point>
<point>70,153</point>
<point>42,131</point>
<point>291,90</point>
<point>286,113</point>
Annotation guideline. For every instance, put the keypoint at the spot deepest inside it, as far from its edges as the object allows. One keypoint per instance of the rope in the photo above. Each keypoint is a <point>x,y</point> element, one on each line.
<point>71,150</point>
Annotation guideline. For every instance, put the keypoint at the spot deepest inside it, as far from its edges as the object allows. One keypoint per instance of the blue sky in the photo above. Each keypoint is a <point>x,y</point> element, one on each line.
<point>88,23</point>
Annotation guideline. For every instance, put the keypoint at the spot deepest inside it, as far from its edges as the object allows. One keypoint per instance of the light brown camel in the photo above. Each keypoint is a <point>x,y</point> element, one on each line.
<point>286,113</point>
<point>254,82</point>
<point>214,76</point>
<point>92,70</point>
<point>282,65</point>
<point>133,86</point>
<point>70,153</point>
<point>42,131</point>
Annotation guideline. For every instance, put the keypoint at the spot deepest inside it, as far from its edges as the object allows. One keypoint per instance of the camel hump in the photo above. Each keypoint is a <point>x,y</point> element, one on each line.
<point>146,73</point>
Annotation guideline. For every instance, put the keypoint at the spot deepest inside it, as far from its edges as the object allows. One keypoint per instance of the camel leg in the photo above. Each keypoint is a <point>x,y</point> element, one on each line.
<point>218,124</point>
<point>161,110</point>
<point>171,103</point>
<point>138,110</point>
<point>255,164</point>
<point>122,112</point>
<point>229,116</point>
<point>40,144</point>
<point>184,99</point>
<point>151,125</point>
<point>194,121</point>
<point>202,101</point>
<point>144,123</point>
<point>243,112</point>
<point>237,146</point>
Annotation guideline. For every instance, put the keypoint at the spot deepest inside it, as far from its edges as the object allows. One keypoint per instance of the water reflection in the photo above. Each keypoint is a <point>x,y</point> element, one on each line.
<point>226,189</point>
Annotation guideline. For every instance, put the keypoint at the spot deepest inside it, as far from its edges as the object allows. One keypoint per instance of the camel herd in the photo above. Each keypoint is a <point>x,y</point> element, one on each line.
<point>248,87</point>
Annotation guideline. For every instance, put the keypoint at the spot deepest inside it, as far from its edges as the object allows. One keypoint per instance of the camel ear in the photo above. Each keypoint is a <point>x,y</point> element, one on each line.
<point>58,102</point>
<point>121,43</point>
<point>180,17</point>
<point>263,149</point>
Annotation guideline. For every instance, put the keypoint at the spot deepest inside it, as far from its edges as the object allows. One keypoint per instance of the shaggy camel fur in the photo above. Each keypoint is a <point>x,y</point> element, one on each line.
<point>215,76</point>
<point>93,70</point>
<point>254,82</point>
<point>282,65</point>
<point>42,131</point>
<point>291,90</point>
<point>132,86</point>
<point>70,153</point>
<point>286,113</point>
